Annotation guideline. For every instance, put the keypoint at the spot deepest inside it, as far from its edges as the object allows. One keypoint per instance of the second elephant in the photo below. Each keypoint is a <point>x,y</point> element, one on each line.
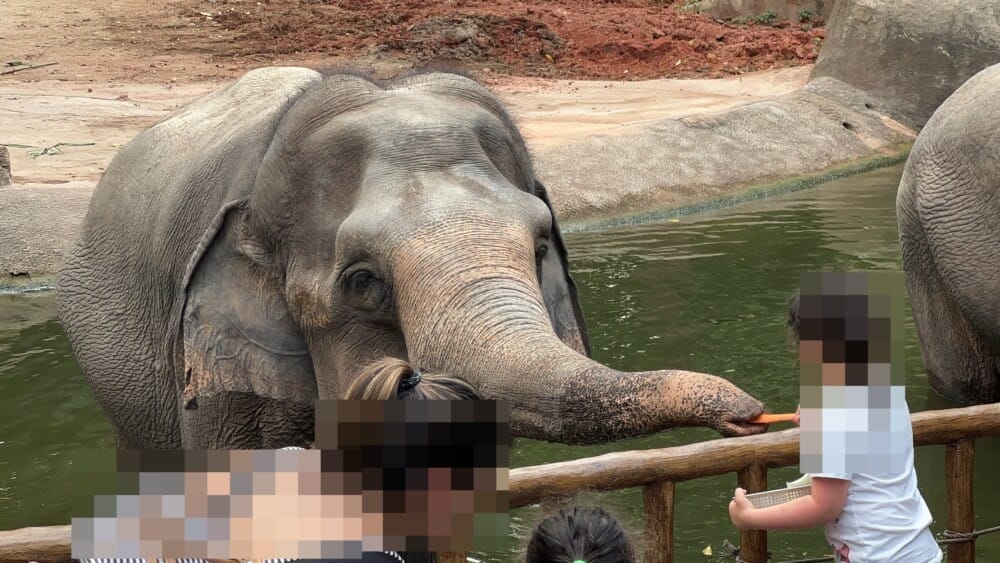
<point>948,207</point>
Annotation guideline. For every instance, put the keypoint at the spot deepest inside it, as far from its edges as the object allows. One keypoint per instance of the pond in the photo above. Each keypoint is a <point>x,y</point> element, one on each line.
<point>705,293</point>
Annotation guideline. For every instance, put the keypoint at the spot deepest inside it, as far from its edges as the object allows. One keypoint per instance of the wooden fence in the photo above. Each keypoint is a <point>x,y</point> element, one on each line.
<point>657,472</point>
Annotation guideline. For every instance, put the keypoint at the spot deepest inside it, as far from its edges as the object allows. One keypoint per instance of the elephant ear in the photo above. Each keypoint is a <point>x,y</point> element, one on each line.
<point>559,289</point>
<point>237,332</point>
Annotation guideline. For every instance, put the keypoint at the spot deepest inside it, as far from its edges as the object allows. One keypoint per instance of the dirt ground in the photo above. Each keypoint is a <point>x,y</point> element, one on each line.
<point>99,118</point>
<point>122,65</point>
<point>168,41</point>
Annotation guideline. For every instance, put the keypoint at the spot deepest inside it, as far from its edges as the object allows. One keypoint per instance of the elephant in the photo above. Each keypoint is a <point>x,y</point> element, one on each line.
<point>249,254</point>
<point>948,213</point>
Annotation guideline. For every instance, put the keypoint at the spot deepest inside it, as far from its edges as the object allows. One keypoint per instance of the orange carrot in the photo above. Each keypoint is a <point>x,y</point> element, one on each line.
<point>767,418</point>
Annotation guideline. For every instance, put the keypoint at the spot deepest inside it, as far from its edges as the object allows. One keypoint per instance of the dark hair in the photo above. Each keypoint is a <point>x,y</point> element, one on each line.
<point>392,378</point>
<point>580,534</point>
<point>793,315</point>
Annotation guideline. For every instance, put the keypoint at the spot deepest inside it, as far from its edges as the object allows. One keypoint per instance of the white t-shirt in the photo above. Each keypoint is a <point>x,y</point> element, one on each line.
<point>885,518</point>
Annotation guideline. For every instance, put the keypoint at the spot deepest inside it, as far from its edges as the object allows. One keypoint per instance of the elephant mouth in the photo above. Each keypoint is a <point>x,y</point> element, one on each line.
<point>732,428</point>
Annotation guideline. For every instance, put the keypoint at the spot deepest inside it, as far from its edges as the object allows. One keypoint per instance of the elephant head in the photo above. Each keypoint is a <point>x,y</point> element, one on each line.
<point>404,219</point>
<point>948,208</point>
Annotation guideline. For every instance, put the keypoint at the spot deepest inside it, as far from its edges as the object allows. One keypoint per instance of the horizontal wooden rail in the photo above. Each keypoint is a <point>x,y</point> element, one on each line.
<point>637,468</point>
<point>657,470</point>
<point>48,543</point>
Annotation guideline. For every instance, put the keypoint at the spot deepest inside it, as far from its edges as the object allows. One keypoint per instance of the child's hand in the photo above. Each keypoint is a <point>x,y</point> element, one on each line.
<point>739,510</point>
<point>796,419</point>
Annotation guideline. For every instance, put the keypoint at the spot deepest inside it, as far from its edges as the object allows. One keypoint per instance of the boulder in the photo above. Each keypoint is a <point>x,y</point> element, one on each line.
<point>909,55</point>
<point>38,223</point>
<point>676,162</point>
<point>791,10</point>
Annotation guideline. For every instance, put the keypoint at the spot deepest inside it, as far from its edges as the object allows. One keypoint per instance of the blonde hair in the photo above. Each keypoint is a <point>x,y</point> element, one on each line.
<point>392,378</point>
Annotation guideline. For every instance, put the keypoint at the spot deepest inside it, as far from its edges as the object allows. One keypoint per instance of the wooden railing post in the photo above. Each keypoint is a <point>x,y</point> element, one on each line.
<point>753,543</point>
<point>958,468</point>
<point>658,501</point>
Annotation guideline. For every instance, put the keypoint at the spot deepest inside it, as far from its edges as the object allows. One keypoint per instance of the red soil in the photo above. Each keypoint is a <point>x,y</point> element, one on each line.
<point>596,39</point>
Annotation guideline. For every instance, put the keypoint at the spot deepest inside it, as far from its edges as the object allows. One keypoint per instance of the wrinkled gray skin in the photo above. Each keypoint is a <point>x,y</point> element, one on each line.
<point>252,252</point>
<point>948,207</point>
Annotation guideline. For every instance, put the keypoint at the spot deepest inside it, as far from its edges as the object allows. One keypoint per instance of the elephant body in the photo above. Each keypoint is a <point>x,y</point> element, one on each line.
<point>948,210</point>
<point>249,254</point>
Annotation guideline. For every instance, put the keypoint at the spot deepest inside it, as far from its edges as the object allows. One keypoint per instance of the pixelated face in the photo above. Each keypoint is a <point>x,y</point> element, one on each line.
<point>387,475</point>
<point>852,393</point>
<point>433,473</point>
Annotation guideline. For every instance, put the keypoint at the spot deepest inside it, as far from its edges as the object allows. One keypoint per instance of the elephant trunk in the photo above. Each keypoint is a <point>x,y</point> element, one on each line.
<point>482,316</point>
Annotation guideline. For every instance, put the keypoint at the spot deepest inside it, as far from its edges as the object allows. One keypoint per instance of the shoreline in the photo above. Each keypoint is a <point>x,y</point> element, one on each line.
<point>745,194</point>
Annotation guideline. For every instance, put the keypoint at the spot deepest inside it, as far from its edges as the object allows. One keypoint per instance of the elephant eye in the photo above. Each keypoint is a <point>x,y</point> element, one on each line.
<point>361,281</point>
<point>540,252</point>
<point>365,290</point>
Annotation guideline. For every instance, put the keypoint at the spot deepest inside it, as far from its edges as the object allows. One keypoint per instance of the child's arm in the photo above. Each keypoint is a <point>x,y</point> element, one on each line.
<point>823,505</point>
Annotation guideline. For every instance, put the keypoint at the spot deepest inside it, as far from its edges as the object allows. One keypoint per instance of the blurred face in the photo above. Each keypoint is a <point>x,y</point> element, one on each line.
<point>853,409</point>
<point>400,475</point>
<point>430,477</point>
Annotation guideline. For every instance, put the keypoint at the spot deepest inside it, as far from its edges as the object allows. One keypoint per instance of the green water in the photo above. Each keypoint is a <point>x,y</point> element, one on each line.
<point>707,293</point>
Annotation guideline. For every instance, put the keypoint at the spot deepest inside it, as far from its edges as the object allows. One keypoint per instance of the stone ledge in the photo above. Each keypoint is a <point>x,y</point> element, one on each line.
<point>37,226</point>
<point>678,162</point>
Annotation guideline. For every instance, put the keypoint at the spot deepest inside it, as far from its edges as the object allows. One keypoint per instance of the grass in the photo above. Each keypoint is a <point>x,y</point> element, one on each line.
<point>766,18</point>
<point>687,6</point>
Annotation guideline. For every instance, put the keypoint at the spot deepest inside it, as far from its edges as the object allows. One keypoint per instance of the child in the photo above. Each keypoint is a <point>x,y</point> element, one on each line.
<point>392,378</point>
<point>867,517</point>
<point>395,379</point>
<point>580,535</point>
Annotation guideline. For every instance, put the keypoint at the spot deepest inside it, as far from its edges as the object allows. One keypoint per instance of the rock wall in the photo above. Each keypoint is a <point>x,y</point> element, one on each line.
<point>791,10</point>
<point>37,226</point>
<point>909,55</point>
<point>679,161</point>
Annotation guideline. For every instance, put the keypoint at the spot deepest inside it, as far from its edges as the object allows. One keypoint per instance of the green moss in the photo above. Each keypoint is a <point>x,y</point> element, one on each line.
<point>767,18</point>
<point>689,6</point>
<point>751,193</point>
